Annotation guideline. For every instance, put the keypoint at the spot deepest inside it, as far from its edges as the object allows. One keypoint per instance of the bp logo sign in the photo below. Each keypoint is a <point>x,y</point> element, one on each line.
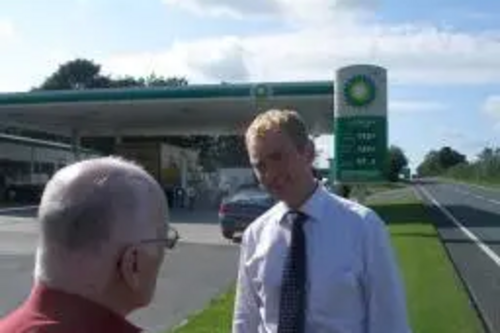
<point>359,91</point>
<point>261,91</point>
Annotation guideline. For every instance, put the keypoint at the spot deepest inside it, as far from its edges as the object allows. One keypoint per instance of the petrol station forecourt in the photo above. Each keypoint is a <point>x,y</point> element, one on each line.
<point>220,109</point>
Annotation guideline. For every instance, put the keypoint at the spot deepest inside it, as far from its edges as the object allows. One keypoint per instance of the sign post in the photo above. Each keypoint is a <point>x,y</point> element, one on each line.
<point>360,126</point>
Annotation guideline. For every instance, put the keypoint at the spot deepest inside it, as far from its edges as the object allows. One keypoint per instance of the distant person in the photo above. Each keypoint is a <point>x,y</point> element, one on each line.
<point>191,195</point>
<point>180,196</point>
<point>314,262</point>
<point>103,236</point>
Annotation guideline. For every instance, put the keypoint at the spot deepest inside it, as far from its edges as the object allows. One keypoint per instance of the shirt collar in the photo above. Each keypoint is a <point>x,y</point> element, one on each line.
<point>312,207</point>
<point>69,308</point>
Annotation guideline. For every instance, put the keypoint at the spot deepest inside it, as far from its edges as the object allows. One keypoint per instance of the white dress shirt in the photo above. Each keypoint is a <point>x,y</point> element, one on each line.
<point>353,279</point>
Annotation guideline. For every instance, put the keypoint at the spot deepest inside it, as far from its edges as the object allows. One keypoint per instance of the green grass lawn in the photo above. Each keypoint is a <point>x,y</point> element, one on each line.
<point>216,318</point>
<point>437,301</point>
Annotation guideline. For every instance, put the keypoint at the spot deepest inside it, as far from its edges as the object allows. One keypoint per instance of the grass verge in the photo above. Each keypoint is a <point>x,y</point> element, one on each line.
<point>216,318</point>
<point>437,301</point>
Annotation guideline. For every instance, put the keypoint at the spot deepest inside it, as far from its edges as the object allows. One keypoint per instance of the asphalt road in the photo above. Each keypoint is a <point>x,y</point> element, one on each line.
<point>468,221</point>
<point>202,266</point>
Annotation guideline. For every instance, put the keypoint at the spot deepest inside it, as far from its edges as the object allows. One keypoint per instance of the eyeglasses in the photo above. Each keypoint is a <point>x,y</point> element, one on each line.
<point>170,241</point>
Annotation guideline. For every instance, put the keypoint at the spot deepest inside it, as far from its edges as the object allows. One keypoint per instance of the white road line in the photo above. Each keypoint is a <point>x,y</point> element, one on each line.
<point>492,255</point>
<point>477,196</point>
<point>15,209</point>
<point>457,182</point>
<point>482,187</point>
<point>493,201</point>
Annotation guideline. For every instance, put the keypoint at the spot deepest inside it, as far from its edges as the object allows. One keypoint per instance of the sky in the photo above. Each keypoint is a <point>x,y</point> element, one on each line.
<point>442,56</point>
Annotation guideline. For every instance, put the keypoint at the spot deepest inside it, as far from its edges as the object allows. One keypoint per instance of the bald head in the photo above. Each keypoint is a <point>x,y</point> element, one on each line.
<point>97,201</point>
<point>93,217</point>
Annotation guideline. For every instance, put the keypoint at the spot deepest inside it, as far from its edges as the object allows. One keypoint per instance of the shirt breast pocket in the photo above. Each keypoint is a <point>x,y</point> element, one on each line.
<point>338,295</point>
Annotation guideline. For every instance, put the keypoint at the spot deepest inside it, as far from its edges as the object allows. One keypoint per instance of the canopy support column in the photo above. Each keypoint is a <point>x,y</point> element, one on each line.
<point>75,144</point>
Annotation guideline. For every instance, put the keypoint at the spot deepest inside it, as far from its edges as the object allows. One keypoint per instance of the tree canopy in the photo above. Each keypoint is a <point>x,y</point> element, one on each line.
<point>438,161</point>
<point>86,74</point>
<point>397,160</point>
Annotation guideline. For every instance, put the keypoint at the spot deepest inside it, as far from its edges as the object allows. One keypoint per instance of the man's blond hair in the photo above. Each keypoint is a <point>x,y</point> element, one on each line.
<point>286,121</point>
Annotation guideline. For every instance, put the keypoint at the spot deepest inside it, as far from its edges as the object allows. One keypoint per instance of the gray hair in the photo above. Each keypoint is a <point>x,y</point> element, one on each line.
<point>83,201</point>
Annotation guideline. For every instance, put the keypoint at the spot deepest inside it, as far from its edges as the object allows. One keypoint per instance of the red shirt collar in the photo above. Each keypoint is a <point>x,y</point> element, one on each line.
<point>70,310</point>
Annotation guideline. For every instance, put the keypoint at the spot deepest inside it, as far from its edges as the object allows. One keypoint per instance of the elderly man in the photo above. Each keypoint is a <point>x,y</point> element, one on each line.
<point>103,234</point>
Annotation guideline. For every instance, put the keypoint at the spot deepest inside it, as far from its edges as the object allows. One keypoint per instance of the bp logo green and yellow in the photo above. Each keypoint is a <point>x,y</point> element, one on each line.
<point>359,91</point>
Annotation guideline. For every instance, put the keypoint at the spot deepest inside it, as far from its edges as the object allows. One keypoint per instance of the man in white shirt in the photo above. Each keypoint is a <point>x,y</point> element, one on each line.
<point>315,262</point>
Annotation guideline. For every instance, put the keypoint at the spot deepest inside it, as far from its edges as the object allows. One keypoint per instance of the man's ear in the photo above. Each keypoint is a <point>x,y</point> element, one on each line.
<point>130,268</point>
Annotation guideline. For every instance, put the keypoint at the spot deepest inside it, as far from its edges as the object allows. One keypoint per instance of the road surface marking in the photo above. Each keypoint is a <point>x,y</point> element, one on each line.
<point>477,196</point>
<point>492,255</point>
<point>482,187</point>
<point>457,182</point>
<point>14,209</point>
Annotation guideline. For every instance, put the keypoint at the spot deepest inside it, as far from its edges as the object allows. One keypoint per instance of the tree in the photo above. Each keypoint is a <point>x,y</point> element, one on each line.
<point>127,82</point>
<point>397,160</point>
<point>86,74</point>
<point>488,163</point>
<point>150,81</point>
<point>438,162</point>
<point>160,81</point>
<point>76,74</point>
<point>430,166</point>
<point>449,158</point>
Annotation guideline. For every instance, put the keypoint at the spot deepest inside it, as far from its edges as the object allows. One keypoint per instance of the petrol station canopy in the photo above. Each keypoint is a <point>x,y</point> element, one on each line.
<point>191,109</point>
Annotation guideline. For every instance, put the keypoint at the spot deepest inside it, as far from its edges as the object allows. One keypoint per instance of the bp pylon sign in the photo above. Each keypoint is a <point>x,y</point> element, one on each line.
<point>360,124</point>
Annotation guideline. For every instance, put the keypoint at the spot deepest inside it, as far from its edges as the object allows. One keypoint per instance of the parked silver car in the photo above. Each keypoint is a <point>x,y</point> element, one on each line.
<point>237,211</point>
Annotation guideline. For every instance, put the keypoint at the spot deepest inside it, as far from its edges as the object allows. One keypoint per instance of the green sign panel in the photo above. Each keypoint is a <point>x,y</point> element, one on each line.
<point>360,124</point>
<point>360,146</point>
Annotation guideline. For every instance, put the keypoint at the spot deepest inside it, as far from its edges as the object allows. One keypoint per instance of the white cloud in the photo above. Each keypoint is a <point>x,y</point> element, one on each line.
<point>408,106</point>
<point>235,9</point>
<point>413,54</point>
<point>465,143</point>
<point>491,107</point>
<point>226,62</point>
<point>221,59</point>
<point>325,35</point>
<point>6,29</point>
<point>310,10</point>
<point>82,3</point>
